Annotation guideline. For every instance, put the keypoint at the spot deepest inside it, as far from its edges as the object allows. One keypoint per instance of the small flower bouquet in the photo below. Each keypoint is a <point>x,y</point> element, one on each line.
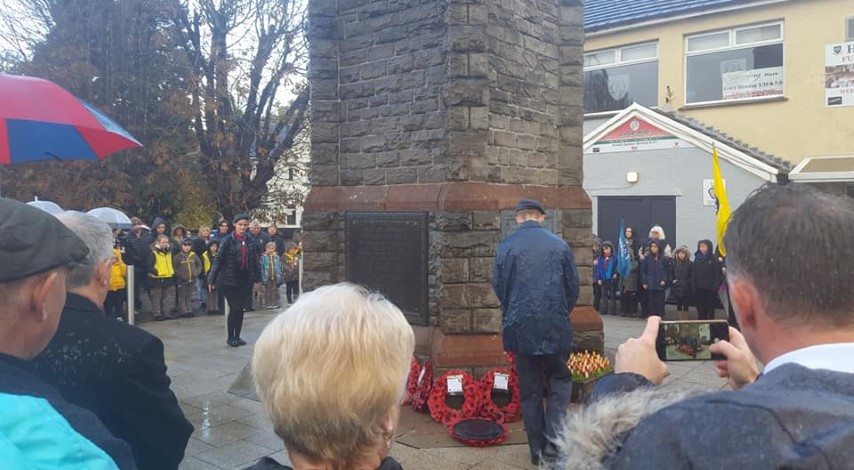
<point>586,368</point>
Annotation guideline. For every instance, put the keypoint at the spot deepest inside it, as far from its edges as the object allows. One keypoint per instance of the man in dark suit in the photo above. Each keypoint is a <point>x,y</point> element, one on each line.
<point>115,370</point>
<point>38,428</point>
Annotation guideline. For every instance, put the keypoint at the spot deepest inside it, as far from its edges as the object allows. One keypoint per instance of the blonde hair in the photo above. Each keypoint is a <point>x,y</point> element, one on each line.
<point>331,370</point>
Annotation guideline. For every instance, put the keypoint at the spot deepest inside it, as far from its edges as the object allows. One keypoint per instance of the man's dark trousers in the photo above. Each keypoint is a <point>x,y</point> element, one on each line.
<point>542,426</point>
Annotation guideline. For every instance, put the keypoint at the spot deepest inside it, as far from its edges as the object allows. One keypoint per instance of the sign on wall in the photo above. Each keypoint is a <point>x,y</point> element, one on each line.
<point>839,75</point>
<point>637,134</point>
<point>752,83</point>
<point>709,192</point>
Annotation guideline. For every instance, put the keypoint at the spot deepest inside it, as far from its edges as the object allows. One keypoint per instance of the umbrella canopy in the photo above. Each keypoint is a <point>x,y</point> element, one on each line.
<point>112,217</point>
<point>39,120</point>
<point>51,208</point>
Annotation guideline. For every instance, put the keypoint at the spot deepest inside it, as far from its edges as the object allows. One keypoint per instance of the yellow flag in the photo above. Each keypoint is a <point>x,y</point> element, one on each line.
<point>722,202</point>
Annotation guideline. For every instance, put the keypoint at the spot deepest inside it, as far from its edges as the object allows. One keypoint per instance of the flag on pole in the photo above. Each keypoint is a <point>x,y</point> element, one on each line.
<point>624,261</point>
<point>721,202</point>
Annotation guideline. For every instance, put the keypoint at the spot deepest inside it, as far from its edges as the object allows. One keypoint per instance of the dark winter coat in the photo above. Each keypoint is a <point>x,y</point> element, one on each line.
<point>536,281</point>
<point>19,385</point>
<point>280,243</point>
<point>793,417</point>
<point>655,269</point>
<point>187,267</point>
<point>681,273</point>
<point>706,274</point>
<point>137,248</point>
<point>605,269</point>
<point>175,242</point>
<point>153,233</point>
<point>200,246</point>
<point>119,374</point>
<point>227,269</point>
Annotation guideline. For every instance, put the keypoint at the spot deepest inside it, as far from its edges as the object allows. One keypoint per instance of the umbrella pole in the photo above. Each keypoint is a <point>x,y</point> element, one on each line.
<point>131,300</point>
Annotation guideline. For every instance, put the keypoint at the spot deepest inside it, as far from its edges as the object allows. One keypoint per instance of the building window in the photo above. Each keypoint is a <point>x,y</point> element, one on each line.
<point>616,78</point>
<point>735,64</point>
<point>292,215</point>
<point>849,28</point>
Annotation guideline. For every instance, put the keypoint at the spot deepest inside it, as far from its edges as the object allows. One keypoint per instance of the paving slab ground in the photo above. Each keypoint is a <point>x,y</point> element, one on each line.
<point>232,432</point>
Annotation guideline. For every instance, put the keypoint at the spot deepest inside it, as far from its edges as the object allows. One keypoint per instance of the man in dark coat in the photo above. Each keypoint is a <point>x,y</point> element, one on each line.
<point>136,253</point>
<point>796,316</point>
<point>536,280</point>
<point>38,427</point>
<point>113,369</point>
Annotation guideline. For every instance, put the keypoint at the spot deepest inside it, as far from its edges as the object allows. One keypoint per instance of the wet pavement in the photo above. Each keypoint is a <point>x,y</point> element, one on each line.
<point>232,432</point>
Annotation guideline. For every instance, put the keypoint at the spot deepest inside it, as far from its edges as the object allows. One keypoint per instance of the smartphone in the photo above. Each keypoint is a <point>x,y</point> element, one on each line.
<point>689,340</point>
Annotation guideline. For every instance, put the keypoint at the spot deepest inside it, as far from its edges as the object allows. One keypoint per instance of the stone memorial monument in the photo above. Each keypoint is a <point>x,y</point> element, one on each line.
<point>430,119</point>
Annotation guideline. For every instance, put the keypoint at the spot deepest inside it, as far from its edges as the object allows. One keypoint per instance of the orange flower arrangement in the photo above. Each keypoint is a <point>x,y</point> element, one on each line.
<point>588,365</point>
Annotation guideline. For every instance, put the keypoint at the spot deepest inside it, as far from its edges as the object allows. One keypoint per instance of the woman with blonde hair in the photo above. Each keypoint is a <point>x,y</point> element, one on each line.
<point>331,372</point>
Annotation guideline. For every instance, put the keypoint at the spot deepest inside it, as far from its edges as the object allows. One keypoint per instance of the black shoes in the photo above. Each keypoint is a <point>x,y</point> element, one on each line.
<point>240,342</point>
<point>235,342</point>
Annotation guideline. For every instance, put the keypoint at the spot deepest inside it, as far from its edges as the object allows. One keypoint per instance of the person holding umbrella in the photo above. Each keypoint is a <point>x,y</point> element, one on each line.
<point>234,272</point>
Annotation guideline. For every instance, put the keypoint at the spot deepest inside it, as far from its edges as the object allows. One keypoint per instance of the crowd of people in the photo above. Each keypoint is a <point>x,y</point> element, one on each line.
<point>656,269</point>
<point>80,390</point>
<point>239,263</point>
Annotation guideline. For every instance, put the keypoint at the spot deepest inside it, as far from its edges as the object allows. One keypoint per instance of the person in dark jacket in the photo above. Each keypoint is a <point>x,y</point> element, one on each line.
<point>706,278</point>
<point>200,247</point>
<point>136,253</point>
<point>273,233</point>
<point>223,229</point>
<point>656,276</point>
<point>605,274</point>
<point>799,413</point>
<point>235,271</point>
<point>536,281</point>
<point>118,372</point>
<point>38,427</point>
<point>596,252</point>
<point>682,269</point>
<point>176,237</point>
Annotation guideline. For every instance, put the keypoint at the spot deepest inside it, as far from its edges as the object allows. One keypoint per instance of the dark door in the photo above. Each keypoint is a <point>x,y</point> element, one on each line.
<point>640,213</point>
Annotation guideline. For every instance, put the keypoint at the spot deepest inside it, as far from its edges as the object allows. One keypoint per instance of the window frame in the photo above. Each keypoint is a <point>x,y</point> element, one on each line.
<point>732,32</point>
<point>849,28</point>
<point>618,63</point>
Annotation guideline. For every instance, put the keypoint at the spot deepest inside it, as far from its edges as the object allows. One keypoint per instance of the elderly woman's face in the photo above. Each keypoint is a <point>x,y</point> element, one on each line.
<point>655,235</point>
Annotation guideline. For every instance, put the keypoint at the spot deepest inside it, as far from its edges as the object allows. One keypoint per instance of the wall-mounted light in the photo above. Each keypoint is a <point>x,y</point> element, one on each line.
<point>632,177</point>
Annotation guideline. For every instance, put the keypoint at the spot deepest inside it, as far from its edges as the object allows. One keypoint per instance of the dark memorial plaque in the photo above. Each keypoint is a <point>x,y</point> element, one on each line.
<point>387,252</point>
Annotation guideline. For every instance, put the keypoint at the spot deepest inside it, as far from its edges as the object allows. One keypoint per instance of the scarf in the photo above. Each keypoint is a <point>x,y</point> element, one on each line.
<point>242,240</point>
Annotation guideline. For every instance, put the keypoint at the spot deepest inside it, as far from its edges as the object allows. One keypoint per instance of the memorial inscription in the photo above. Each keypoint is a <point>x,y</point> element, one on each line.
<point>387,252</point>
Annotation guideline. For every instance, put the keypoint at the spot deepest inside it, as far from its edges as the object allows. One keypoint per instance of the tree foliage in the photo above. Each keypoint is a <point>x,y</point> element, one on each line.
<point>197,82</point>
<point>242,53</point>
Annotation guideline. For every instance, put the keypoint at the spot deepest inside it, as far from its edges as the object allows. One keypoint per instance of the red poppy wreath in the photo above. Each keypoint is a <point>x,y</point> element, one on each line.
<point>412,380</point>
<point>439,409</point>
<point>424,384</point>
<point>501,414</point>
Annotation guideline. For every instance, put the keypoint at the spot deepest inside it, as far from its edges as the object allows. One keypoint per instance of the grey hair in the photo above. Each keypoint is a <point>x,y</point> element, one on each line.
<point>255,223</point>
<point>793,243</point>
<point>657,228</point>
<point>98,238</point>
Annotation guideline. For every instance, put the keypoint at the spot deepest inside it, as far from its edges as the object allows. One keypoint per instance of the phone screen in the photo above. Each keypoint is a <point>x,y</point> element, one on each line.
<point>690,340</point>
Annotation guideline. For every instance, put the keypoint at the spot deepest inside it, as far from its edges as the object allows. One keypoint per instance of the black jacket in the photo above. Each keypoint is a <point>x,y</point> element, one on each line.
<point>682,273</point>
<point>227,269</point>
<point>706,274</point>
<point>118,372</point>
<point>280,243</point>
<point>16,378</point>
<point>137,248</point>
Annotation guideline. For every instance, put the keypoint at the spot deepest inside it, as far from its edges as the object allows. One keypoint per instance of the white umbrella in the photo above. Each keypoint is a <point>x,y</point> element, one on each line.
<point>51,208</point>
<point>112,217</point>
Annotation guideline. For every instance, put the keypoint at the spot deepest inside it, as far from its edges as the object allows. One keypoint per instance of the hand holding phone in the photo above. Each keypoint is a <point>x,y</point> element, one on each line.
<point>690,340</point>
<point>740,364</point>
<point>637,355</point>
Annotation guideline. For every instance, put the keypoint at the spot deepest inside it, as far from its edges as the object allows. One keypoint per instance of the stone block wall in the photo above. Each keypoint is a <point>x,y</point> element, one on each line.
<point>457,108</point>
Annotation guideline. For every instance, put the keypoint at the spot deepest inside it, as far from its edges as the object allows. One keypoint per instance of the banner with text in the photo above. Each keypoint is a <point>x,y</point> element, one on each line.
<point>839,75</point>
<point>752,83</point>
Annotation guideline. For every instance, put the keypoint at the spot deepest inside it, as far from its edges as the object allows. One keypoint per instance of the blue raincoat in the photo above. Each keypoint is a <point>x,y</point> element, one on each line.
<point>536,280</point>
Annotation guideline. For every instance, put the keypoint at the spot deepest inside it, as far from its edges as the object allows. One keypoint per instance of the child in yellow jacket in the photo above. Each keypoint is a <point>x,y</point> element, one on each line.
<point>118,293</point>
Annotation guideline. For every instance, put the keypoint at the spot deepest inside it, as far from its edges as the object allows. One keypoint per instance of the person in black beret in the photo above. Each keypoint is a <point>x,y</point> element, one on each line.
<point>536,281</point>
<point>39,428</point>
<point>234,271</point>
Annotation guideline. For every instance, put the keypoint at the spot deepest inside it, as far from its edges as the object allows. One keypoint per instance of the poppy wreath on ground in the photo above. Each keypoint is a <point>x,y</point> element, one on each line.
<point>477,442</point>
<point>423,387</point>
<point>412,380</point>
<point>439,409</point>
<point>500,414</point>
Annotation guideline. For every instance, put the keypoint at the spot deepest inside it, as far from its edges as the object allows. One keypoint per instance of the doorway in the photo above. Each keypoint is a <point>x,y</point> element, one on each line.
<point>640,213</point>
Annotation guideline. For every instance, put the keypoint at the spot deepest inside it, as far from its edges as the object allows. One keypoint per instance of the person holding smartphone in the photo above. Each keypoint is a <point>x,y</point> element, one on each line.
<point>796,317</point>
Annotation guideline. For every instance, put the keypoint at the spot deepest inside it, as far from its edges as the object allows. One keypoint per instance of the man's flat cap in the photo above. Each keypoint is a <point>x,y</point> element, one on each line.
<point>526,204</point>
<point>33,241</point>
<point>239,217</point>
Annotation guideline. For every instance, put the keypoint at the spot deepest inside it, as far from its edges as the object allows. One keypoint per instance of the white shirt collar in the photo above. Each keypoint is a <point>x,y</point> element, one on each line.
<point>835,356</point>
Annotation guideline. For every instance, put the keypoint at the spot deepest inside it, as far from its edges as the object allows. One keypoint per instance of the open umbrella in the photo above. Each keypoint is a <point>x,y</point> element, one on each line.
<point>51,208</point>
<point>39,120</point>
<point>112,217</point>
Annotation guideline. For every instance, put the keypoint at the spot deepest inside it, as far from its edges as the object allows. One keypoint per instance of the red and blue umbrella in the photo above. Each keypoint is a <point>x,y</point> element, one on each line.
<point>39,120</point>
